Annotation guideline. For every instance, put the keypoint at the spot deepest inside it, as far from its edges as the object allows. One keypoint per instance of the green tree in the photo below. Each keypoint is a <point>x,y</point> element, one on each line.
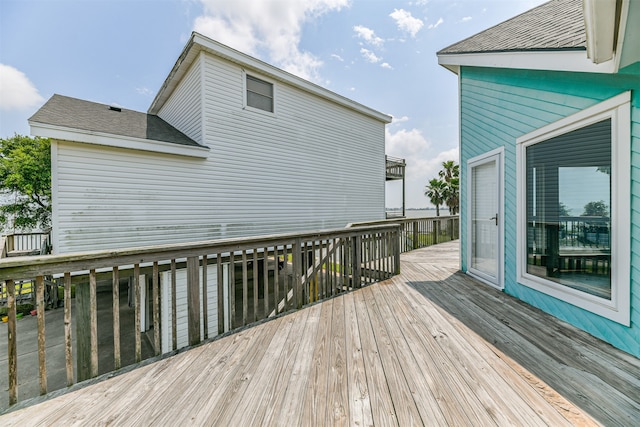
<point>598,208</point>
<point>435,192</point>
<point>450,173</point>
<point>25,177</point>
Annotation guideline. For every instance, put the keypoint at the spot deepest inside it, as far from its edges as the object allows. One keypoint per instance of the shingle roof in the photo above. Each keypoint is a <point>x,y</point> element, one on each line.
<point>556,25</point>
<point>90,116</point>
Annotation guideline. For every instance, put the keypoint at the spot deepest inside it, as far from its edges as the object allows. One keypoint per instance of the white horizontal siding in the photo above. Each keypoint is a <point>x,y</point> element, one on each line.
<point>182,332</point>
<point>183,109</point>
<point>312,165</point>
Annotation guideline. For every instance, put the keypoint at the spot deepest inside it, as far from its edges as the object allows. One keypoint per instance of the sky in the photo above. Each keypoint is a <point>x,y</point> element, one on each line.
<point>380,53</point>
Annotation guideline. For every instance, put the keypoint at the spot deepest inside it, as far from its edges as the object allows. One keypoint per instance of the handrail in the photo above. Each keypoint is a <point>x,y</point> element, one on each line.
<point>203,288</point>
<point>416,233</point>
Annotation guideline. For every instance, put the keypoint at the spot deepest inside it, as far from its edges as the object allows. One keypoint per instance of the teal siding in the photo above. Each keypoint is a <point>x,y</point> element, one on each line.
<point>496,107</point>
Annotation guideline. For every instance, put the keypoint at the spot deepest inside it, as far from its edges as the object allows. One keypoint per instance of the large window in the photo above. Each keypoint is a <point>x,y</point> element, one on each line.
<point>574,210</point>
<point>259,94</point>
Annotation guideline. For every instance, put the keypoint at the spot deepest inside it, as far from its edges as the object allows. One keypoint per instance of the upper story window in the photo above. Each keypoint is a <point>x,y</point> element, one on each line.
<point>259,93</point>
<point>573,209</point>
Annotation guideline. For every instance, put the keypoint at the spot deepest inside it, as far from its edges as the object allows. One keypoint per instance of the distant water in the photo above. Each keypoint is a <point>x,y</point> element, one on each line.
<point>424,213</point>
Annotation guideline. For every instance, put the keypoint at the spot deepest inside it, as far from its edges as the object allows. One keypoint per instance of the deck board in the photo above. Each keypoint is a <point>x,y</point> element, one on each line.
<point>428,347</point>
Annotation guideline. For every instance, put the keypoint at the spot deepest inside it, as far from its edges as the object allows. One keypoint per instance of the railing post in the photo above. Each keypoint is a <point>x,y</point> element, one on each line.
<point>42,362</point>
<point>13,343</point>
<point>193,300</point>
<point>356,260</point>
<point>296,254</point>
<point>396,252</point>
<point>416,235</point>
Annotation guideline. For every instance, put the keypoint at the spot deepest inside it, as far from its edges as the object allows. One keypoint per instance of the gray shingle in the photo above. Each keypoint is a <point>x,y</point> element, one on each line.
<point>556,25</point>
<point>75,113</point>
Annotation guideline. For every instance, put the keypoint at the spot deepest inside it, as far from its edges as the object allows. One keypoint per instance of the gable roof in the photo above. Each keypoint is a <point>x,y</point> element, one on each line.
<point>71,119</point>
<point>199,43</point>
<point>556,25</point>
<point>560,35</point>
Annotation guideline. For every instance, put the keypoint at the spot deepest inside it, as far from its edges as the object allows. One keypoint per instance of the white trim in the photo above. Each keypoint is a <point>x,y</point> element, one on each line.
<point>54,197</point>
<point>203,100</point>
<point>600,28</point>
<point>618,308</point>
<point>258,76</point>
<point>497,156</point>
<point>561,60</point>
<point>101,138</point>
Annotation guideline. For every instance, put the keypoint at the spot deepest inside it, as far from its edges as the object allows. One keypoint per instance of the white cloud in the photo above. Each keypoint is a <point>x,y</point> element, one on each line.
<point>368,35</point>
<point>467,18</point>
<point>406,22</point>
<point>436,25</point>
<point>396,120</point>
<point>338,57</point>
<point>386,65</point>
<point>405,143</point>
<point>145,91</point>
<point>271,26</point>
<point>370,56</point>
<point>16,90</point>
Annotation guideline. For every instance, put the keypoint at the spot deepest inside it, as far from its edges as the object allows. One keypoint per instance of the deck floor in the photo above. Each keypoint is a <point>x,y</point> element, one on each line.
<point>429,347</point>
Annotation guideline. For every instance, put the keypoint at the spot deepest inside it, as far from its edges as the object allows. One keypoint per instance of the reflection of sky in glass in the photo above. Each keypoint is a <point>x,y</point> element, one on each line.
<point>581,185</point>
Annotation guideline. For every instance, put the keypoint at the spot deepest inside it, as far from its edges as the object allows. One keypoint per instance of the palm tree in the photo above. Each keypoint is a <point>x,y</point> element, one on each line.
<point>450,174</point>
<point>435,192</point>
<point>449,170</point>
<point>452,195</point>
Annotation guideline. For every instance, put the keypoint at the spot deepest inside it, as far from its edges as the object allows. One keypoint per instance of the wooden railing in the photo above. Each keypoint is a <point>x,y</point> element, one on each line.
<point>183,294</point>
<point>416,233</point>
<point>395,167</point>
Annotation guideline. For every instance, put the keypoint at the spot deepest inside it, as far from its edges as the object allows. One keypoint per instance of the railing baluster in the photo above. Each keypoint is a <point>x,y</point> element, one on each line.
<point>245,288</point>
<point>93,322</point>
<point>174,308</point>
<point>117,363</point>
<point>193,300</point>
<point>265,273</point>
<point>255,285</point>
<point>13,342</point>
<point>276,279</point>
<point>297,276</point>
<point>156,308</point>
<point>232,291</point>
<point>68,344</point>
<point>137,322</point>
<point>205,304</point>
<point>42,361</point>
<point>220,283</point>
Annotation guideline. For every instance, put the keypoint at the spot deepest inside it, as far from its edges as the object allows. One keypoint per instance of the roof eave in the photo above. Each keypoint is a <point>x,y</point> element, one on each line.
<point>198,42</point>
<point>64,133</point>
<point>555,60</point>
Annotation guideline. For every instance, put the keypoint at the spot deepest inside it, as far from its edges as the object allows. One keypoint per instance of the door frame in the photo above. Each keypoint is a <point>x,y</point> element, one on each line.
<point>497,156</point>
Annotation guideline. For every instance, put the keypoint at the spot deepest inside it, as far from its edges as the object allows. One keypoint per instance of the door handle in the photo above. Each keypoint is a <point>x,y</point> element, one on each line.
<point>496,218</point>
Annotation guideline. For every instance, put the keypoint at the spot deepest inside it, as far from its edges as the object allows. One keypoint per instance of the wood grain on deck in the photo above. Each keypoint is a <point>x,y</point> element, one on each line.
<point>429,347</point>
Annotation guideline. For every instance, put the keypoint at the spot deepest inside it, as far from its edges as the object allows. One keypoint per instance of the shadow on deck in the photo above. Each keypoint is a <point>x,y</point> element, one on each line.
<point>430,346</point>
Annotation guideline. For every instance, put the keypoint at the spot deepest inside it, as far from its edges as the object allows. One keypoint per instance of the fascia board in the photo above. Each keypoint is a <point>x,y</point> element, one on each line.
<point>119,141</point>
<point>575,61</point>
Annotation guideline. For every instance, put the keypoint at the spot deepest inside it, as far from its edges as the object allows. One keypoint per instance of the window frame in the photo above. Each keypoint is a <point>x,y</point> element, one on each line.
<point>259,77</point>
<point>618,109</point>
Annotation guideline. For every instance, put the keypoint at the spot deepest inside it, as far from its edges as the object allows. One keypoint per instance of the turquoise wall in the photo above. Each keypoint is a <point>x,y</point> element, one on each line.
<point>499,105</point>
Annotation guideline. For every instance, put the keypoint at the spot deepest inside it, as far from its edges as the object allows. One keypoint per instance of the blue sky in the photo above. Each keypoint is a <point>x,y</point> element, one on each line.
<point>379,53</point>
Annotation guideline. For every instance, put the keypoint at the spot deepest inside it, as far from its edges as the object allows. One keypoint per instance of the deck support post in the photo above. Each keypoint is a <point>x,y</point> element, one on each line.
<point>13,342</point>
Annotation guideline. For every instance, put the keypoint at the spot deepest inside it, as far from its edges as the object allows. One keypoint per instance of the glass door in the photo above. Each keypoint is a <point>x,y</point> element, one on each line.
<point>485,219</point>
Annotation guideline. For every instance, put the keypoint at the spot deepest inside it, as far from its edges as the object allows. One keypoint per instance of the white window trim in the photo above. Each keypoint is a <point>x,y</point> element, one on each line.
<point>244,93</point>
<point>618,110</point>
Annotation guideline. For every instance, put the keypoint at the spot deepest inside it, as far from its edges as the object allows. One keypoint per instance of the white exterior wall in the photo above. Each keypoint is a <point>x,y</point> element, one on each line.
<point>312,165</point>
<point>183,110</point>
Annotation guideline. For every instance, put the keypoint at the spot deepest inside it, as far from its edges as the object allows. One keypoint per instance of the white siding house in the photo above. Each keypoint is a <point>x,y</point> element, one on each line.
<point>203,163</point>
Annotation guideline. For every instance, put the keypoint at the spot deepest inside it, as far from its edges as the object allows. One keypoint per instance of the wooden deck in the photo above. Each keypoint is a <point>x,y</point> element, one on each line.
<point>428,347</point>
